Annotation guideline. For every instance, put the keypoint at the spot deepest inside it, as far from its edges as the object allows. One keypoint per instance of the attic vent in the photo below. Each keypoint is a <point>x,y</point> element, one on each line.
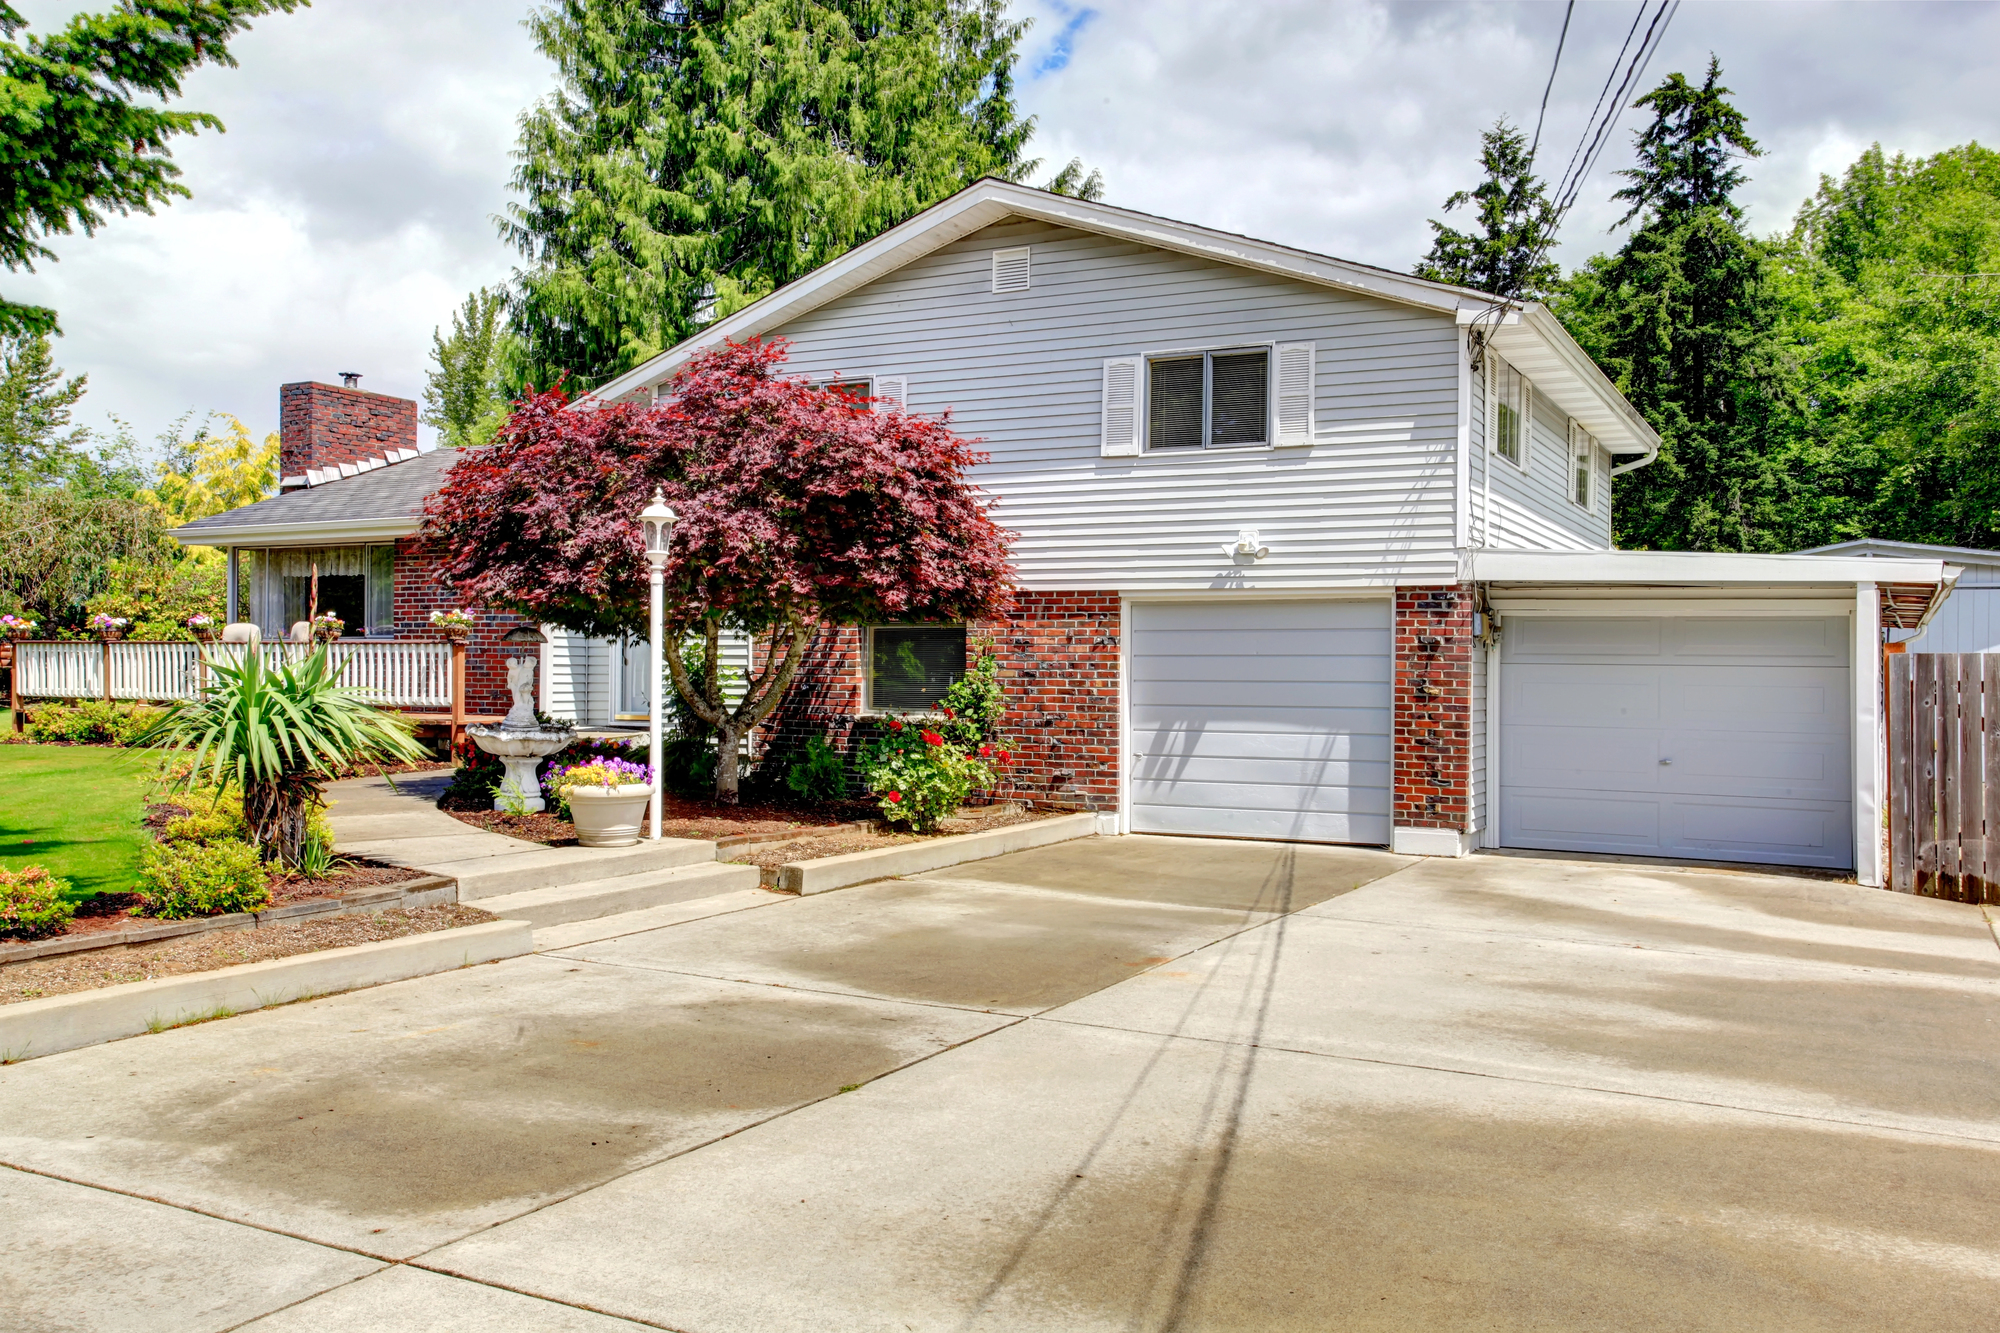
<point>1010,270</point>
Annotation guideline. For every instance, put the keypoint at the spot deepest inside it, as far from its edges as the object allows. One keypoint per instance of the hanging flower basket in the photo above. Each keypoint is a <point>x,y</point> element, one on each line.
<point>16,627</point>
<point>454,625</point>
<point>109,628</point>
<point>202,626</point>
<point>326,627</point>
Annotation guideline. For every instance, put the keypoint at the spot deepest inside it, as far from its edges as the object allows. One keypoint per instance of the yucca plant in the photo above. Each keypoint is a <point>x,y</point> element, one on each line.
<point>279,734</point>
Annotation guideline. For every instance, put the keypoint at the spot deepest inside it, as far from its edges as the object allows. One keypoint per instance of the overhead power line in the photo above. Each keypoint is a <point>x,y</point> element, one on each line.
<point>1554,65</point>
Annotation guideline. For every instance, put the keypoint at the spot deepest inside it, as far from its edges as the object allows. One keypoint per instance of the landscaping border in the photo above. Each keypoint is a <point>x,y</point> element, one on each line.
<point>423,891</point>
<point>32,1028</point>
<point>915,858</point>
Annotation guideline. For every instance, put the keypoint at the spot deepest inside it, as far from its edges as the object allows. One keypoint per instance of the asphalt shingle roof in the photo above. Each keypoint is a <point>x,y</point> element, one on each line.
<point>396,491</point>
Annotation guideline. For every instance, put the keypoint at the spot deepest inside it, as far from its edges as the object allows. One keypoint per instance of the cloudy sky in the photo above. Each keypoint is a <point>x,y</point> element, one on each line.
<point>349,207</point>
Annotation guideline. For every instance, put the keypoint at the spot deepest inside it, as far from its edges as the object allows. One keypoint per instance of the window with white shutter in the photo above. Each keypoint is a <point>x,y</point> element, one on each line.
<point>892,393</point>
<point>1295,393</point>
<point>1121,405</point>
<point>1010,270</point>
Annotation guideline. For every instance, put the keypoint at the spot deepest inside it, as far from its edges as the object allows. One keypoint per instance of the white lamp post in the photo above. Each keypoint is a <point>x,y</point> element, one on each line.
<point>658,521</point>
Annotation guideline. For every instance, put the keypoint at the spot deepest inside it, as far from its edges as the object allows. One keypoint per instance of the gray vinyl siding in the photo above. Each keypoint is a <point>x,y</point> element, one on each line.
<point>1969,620</point>
<point>1530,504</point>
<point>1022,373</point>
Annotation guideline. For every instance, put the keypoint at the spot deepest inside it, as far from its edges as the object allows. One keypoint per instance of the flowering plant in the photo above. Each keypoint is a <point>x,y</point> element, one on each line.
<point>327,626</point>
<point>201,623</point>
<point>107,626</point>
<point>15,627</point>
<point>919,778</point>
<point>460,619</point>
<point>602,773</point>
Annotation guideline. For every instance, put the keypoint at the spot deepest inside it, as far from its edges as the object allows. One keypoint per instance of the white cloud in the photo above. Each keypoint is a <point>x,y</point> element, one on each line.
<point>350,205</point>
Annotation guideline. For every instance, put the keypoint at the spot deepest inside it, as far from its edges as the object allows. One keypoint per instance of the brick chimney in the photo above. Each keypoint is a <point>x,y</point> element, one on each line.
<point>321,426</point>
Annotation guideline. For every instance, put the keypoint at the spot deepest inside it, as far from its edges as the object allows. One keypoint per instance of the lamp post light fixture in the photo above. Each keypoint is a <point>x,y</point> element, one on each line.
<point>658,521</point>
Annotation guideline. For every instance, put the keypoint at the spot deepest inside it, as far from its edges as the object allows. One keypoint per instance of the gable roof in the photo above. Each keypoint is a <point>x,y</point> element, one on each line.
<point>378,505</point>
<point>1871,546</point>
<point>1526,334</point>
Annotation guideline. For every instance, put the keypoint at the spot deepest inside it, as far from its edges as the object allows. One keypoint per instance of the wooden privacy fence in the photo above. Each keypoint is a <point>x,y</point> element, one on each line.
<point>400,673</point>
<point>1944,775</point>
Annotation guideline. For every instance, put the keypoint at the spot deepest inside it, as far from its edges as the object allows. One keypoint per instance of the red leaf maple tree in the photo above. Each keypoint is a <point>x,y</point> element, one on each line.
<point>799,507</point>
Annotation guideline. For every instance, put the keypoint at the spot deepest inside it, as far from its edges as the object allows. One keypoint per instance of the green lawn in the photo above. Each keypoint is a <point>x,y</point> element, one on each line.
<point>75,809</point>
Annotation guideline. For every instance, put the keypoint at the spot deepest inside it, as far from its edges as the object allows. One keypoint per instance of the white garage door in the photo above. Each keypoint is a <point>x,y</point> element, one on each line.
<point>1710,739</point>
<point>1261,719</point>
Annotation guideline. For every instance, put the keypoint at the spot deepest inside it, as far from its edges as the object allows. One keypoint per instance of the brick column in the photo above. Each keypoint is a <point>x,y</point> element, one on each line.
<point>1433,721</point>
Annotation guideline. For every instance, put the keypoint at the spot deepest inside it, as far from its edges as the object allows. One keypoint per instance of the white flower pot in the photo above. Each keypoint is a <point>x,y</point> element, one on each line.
<point>609,816</point>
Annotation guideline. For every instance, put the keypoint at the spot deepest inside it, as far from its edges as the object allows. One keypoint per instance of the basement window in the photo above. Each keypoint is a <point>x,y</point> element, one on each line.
<point>1209,400</point>
<point>911,666</point>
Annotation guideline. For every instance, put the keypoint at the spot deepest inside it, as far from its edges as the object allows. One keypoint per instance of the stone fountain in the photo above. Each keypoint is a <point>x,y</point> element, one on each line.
<point>520,742</point>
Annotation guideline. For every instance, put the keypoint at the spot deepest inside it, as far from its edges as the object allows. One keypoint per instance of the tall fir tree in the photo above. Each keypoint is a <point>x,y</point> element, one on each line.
<point>467,392</point>
<point>1683,319</point>
<point>1509,255</point>
<point>697,154</point>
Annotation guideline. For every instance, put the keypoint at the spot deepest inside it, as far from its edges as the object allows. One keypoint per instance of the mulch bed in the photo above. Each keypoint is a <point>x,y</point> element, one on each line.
<point>113,911</point>
<point>680,818</point>
<point>68,973</point>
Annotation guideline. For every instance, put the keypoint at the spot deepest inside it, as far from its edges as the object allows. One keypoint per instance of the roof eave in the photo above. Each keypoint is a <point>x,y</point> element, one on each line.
<point>320,532</point>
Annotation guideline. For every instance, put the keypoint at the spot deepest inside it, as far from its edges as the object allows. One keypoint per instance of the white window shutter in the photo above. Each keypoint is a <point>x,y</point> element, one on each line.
<point>892,393</point>
<point>1295,393</point>
<point>1121,405</point>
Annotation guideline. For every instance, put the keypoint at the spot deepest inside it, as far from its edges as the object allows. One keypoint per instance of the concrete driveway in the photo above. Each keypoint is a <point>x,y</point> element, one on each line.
<point>1131,1084</point>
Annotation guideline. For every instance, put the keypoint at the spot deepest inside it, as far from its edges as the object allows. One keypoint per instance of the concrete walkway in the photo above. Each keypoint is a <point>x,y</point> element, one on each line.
<point>1132,1084</point>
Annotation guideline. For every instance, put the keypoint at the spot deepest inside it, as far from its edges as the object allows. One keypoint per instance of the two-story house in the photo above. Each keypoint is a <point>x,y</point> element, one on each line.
<point>1307,550</point>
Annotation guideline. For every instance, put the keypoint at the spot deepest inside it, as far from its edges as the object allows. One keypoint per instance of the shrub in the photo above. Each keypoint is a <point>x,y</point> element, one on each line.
<point>687,766</point>
<point>32,906</point>
<point>974,705</point>
<point>90,722</point>
<point>918,777</point>
<point>205,827</point>
<point>819,775</point>
<point>183,879</point>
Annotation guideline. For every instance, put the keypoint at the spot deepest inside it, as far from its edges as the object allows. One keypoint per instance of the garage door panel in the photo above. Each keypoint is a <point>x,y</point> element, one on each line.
<point>1564,639</point>
<point>1293,746</point>
<point>1226,645</point>
<point>1735,638</point>
<point>1583,695</point>
<point>1261,719</point>
<point>1731,743</point>
<point>1278,825</point>
<point>1304,698</point>
<point>1259,617</point>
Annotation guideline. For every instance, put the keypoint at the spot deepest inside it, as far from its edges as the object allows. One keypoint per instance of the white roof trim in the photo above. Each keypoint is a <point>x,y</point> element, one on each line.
<point>1541,348</point>
<point>1695,568</point>
<point>1873,548</point>
<point>323,532</point>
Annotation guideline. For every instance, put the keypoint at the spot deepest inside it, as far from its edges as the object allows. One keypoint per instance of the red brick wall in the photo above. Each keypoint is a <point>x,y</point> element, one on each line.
<point>1433,718</point>
<point>419,591</point>
<point>1059,667</point>
<point>320,425</point>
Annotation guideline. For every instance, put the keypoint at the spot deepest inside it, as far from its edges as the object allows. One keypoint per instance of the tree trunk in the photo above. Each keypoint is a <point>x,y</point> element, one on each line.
<point>727,739</point>
<point>274,815</point>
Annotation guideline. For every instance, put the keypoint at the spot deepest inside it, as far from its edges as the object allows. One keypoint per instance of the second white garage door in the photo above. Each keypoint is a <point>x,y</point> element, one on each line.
<point>1261,719</point>
<point>1711,739</point>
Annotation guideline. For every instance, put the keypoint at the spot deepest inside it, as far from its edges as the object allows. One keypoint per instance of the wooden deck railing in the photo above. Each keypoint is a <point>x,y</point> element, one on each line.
<point>399,673</point>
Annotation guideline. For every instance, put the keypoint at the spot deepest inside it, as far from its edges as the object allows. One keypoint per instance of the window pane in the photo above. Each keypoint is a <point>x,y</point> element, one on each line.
<point>381,590</point>
<point>913,665</point>
<point>1173,404</point>
<point>1240,388</point>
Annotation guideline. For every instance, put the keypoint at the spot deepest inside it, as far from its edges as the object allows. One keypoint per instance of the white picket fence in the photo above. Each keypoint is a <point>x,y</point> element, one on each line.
<point>399,673</point>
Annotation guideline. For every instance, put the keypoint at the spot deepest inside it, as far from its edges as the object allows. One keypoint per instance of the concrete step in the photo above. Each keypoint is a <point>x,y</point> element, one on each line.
<point>623,893</point>
<point>571,934</point>
<point>553,867</point>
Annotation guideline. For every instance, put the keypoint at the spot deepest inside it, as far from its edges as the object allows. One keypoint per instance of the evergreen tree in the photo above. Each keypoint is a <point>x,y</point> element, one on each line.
<point>37,443</point>
<point>468,393</point>
<point>1683,319</point>
<point>1509,258</point>
<point>74,143</point>
<point>700,153</point>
